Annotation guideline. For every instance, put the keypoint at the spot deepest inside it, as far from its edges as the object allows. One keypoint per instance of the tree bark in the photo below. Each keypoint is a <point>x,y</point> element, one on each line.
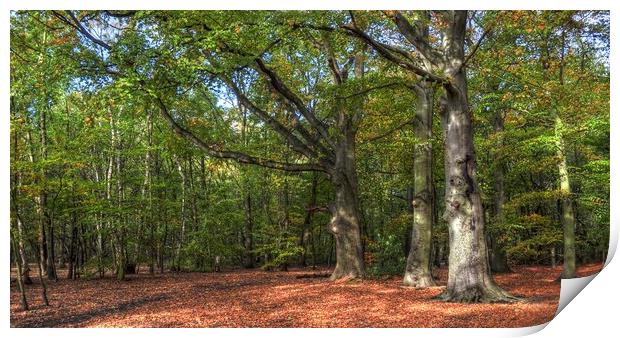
<point>306,232</point>
<point>498,259</point>
<point>51,252</point>
<point>418,268</point>
<point>183,218</point>
<point>345,222</point>
<point>20,278</point>
<point>469,278</point>
<point>248,239</point>
<point>15,218</point>
<point>567,215</point>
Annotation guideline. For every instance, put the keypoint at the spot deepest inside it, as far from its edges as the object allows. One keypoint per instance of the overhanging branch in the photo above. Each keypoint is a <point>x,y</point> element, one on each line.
<point>237,156</point>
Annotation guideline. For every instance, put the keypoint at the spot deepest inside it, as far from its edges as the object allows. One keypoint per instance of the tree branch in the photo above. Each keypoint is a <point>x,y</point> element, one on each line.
<point>281,88</point>
<point>237,156</point>
<point>75,23</point>
<point>413,35</point>
<point>294,142</point>
<point>389,132</point>
<point>387,53</point>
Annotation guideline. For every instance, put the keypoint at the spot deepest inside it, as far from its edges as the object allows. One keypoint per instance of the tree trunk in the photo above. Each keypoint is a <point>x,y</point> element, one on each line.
<point>99,232</point>
<point>498,261</point>
<point>418,268</point>
<point>72,253</point>
<point>51,252</point>
<point>14,205</point>
<point>345,222</point>
<point>469,278</point>
<point>72,244</point>
<point>306,232</point>
<point>248,239</point>
<point>43,283</point>
<point>567,215</point>
<point>20,278</point>
<point>183,207</point>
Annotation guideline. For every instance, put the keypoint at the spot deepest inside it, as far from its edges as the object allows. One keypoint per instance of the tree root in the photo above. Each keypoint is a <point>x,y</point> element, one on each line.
<point>420,284</point>
<point>313,275</point>
<point>418,280</point>
<point>479,295</point>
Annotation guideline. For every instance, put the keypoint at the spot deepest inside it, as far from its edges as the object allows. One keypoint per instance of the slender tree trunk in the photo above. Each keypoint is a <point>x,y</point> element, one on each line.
<point>71,265</point>
<point>248,239</point>
<point>51,252</point>
<point>418,268</point>
<point>99,232</point>
<point>306,232</point>
<point>20,277</point>
<point>183,207</point>
<point>285,222</point>
<point>567,215</point>
<point>40,202</point>
<point>43,283</point>
<point>22,251</point>
<point>498,259</point>
<point>15,183</point>
<point>469,278</point>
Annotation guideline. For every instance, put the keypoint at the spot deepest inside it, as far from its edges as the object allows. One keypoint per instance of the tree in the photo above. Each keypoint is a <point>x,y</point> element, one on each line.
<point>468,277</point>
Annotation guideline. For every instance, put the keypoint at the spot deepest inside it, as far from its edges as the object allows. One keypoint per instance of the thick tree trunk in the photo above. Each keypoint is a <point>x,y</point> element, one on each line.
<point>567,215</point>
<point>469,278</point>
<point>418,268</point>
<point>345,222</point>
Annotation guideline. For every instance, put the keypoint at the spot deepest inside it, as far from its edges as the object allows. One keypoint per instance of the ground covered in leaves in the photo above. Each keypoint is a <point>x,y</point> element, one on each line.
<point>255,298</point>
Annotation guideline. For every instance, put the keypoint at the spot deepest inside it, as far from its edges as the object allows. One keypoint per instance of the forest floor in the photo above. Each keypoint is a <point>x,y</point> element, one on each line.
<point>255,298</point>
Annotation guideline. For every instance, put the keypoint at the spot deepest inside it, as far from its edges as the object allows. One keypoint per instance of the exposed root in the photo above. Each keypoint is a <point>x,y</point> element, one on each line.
<point>422,283</point>
<point>313,275</point>
<point>339,275</point>
<point>478,295</point>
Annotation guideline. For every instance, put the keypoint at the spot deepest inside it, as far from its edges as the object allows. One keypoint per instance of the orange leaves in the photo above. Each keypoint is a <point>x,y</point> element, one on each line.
<point>253,298</point>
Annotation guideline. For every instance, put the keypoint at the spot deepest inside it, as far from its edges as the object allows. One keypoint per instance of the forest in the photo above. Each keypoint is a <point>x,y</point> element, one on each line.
<point>296,168</point>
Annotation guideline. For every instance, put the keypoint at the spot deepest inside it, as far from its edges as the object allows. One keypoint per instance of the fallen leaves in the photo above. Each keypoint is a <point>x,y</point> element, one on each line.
<point>254,298</point>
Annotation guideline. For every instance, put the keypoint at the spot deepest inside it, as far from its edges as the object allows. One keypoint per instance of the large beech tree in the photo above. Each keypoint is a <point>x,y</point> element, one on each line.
<point>324,143</point>
<point>469,279</point>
